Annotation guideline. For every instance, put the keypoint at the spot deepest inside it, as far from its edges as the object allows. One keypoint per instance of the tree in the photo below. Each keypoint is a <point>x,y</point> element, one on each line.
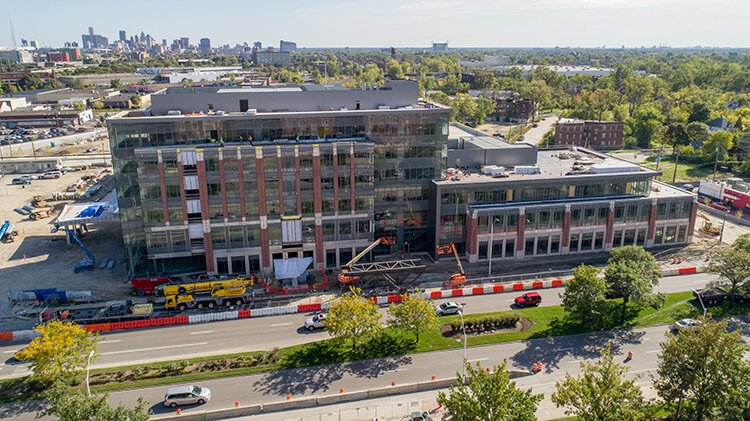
<point>97,105</point>
<point>584,297</point>
<point>30,81</point>
<point>733,267</point>
<point>489,397</point>
<point>135,100</point>
<point>61,351</point>
<point>697,132</point>
<point>702,374</point>
<point>482,108</point>
<point>352,317</point>
<point>631,273</point>
<point>600,393</point>
<point>716,147</point>
<point>66,404</point>
<point>648,119</point>
<point>115,84</point>
<point>699,112</point>
<point>677,137</point>
<point>602,100</point>
<point>415,314</point>
<point>394,70</point>
<point>186,83</point>
<point>742,243</point>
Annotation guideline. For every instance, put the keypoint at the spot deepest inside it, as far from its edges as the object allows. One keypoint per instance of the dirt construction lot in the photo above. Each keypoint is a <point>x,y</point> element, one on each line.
<point>40,259</point>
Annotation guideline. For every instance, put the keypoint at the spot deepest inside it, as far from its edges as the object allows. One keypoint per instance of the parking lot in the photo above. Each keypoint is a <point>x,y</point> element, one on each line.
<point>38,258</point>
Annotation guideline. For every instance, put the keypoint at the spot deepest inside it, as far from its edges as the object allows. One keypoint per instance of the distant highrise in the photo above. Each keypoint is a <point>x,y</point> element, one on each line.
<point>33,44</point>
<point>91,31</point>
<point>287,46</point>
<point>123,36</point>
<point>184,42</point>
<point>205,45</point>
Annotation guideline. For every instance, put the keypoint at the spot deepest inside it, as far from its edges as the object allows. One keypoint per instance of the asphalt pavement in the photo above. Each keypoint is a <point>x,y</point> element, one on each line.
<point>535,134</point>
<point>267,333</point>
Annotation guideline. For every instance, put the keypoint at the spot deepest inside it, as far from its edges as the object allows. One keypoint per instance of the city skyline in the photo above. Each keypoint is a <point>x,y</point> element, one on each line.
<point>414,23</point>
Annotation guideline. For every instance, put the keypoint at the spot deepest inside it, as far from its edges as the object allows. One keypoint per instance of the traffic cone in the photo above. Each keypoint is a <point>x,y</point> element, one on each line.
<point>236,404</point>
<point>288,397</point>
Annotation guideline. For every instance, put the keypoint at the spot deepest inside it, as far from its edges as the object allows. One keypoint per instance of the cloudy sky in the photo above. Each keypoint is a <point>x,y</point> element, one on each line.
<point>383,23</point>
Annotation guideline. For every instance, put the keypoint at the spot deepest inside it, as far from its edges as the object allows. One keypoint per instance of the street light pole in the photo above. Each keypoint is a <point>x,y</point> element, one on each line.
<point>463,364</point>
<point>88,366</point>
<point>721,235</point>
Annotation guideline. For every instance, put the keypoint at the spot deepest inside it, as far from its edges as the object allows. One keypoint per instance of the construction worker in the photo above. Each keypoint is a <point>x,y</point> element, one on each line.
<point>630,355</point>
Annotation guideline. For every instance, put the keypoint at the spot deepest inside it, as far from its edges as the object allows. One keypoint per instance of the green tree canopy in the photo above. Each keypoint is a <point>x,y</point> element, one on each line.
<point>61,351</point>
<point>600,393</point>
<point>489,397</point>
<point>631,273</point>
<point>352,317</point>
<point>414,314</point>
<point>584,297</point>
<point>733,267</point>
<point>702,373</point>
<point>66,404</point>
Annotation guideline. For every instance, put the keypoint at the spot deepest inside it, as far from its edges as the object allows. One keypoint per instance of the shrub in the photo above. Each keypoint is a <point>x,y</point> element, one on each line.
<point>485,323</point>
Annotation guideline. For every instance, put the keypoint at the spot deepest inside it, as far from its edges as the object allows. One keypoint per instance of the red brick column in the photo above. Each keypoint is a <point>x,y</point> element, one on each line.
<point>241,180</point>
<point>181,175</point>
<point>651,225</point>
<point>610,234</point>
<point>521,232</point>
<point>163,186</point>
<point>205,216</point>
<point>693,216</point>
<point>318,205</point>
<point>222,175</point>
<point>280,173</point>
<point>565,240</point>
<point>260,174</point>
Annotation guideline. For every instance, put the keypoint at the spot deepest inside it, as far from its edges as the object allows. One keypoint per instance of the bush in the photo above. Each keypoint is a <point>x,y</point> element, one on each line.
<point>629,142</point>
<point>484,324</point>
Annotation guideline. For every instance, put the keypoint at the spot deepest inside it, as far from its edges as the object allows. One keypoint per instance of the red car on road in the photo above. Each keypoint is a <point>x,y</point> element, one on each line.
<point>529,299</point>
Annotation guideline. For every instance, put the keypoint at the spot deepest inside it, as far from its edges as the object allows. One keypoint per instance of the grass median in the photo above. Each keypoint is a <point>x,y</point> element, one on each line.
<point>544,322</point>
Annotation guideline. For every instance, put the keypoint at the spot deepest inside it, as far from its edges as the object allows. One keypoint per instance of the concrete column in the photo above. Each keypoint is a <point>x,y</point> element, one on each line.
<point>471,236</point>
<point>205,215</point>
<point>222,176</point>
<point>651,225</point>
<point>351,177</point>
<point>318,205</point>
<point>298,183</point>
<point>241,180</point>
<point>181,175</point>
<point>281,180</point>
<point>163,186</point>
<point>609,235</point>
<point>693,216</point>
<point>565,240</point>
<point>260,175</point>
<point>521,232</point>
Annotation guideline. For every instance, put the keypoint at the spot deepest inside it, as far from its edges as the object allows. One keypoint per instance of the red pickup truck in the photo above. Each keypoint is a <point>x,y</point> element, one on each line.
<point>144,286</point>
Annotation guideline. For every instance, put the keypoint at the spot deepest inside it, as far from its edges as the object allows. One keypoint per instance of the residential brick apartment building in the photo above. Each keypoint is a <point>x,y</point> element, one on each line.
<point>589,133</point>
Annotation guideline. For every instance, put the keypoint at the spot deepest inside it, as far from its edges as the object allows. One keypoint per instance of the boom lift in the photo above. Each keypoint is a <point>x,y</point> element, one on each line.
<point>412,221</point>
<point>87,262</point>
<point>344,277</point>
<point>457,279</point>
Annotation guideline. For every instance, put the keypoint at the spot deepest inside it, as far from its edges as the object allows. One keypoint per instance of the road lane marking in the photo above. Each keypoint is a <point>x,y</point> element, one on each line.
<point>156,348</point>
<point>654,351</point>
<point>646,339</point>
<point>561,349</point>
<point>112,341</point>
<point>12,351</point>
<point>575,361</point>
<point>282,324</point>
<point>477,360</point>
<point>641,371</point>
<point>201,332</point>
<point>398,370</point>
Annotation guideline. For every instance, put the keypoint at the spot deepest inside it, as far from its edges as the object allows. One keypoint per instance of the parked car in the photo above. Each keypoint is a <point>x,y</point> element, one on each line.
<point>186,395</point>
<point>143,286</point>
<point>449,308</point>
<point>419,416</point>
<point>529,299</point>
<point>80,130</point>
<point>52,174</point>
<point>90,150</point>
<point>686,324</point>
<point>24,179</point>
<point>317,321</point>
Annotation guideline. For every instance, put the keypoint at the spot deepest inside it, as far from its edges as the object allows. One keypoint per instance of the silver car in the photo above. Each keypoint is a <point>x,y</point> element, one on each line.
<point>186,395</point>
<point>317,321</point>
<point>449,308</point>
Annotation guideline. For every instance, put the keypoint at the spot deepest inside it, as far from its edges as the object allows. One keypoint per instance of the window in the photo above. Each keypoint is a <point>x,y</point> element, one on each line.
<point>574,242</point>
<point>659,237</point>
<point>587,241</point>
<point>529,249</point>
<point>510,248</point>
<point>617,239</point>
<point>575,217</point>
<point>598,240</point>
<point>670,234</point>
<point>555,244</point>
<point>641,239</point>
<point>682,234</point>
<point>542,245</point>
<point>497,249</point>
<point>483,250</point>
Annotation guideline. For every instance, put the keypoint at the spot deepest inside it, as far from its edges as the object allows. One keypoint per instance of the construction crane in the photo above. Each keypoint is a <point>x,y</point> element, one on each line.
<point>88,262</point>
<point>344,277</point>
<point>457,279</point>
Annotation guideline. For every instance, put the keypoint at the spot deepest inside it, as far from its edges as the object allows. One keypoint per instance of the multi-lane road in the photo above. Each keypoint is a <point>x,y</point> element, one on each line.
<point>266,333</point>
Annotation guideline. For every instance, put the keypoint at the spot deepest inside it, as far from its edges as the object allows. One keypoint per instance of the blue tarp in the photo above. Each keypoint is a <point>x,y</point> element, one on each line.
<point>291,268</point>
<point>91,211</point>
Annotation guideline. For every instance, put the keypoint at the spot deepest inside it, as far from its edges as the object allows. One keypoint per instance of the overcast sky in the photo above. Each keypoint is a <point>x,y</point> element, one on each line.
<point>384,23</point>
